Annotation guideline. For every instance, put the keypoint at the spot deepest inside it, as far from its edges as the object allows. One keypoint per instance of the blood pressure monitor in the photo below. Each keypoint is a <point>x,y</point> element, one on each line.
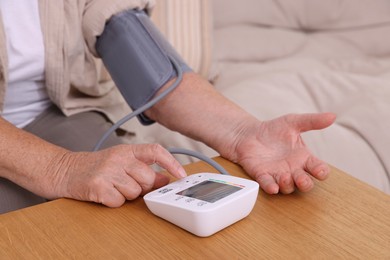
<point>204,203</point>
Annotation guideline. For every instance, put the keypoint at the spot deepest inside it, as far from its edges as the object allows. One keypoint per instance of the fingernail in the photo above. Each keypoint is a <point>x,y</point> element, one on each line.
<point>322,174</point>
<point>275,190</point>
<point>182,173</point>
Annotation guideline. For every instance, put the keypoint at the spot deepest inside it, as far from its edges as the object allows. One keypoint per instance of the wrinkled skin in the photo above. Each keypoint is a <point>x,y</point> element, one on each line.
<point>274,154</point>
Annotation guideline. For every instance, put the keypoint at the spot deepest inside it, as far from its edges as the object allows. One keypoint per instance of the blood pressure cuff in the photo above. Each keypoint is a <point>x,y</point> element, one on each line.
<point>137,57</point>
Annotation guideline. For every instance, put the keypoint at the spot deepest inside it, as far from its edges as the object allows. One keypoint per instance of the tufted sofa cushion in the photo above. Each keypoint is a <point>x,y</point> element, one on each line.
<point>313,56</point>
<point>305,28</point>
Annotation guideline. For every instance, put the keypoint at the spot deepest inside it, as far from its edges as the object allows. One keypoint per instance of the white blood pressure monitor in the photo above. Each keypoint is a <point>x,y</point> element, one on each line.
<point>204,203</point>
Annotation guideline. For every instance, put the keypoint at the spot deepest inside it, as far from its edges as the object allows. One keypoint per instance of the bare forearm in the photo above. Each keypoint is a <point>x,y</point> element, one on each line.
<point>197,110</point>
<point>110,176</point>
<point>26,159</point>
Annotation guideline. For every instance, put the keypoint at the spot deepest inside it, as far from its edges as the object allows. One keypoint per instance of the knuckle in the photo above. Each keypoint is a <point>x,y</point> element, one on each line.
<point>156,148</point>
<point>134,193</point>
<point>96,183</point>
<point>147,182</point>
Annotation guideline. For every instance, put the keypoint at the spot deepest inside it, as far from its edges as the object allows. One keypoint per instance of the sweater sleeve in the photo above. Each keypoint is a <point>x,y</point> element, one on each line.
<point>98,12</point>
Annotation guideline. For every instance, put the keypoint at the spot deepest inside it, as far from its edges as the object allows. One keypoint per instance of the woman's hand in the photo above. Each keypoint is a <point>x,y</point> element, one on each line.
<point>113,175</point>
<point>274,154</point>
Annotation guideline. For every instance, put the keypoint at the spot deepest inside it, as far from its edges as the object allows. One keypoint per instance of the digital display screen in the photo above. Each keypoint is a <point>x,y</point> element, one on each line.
<point>209,191</point>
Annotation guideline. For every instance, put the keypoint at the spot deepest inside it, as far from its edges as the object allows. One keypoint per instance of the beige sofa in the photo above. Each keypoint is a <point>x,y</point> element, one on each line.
<point>301,56</point>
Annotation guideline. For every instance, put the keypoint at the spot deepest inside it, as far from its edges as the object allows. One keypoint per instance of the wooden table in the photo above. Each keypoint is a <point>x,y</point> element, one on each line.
<point>340,218</point>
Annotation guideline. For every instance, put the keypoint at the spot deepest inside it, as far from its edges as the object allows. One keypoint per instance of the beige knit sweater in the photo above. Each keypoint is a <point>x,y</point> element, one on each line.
<point>72,72</point>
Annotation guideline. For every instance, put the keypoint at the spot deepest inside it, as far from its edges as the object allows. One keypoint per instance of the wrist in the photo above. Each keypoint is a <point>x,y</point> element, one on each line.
<point>228,145</point>
<point>56,175</point>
